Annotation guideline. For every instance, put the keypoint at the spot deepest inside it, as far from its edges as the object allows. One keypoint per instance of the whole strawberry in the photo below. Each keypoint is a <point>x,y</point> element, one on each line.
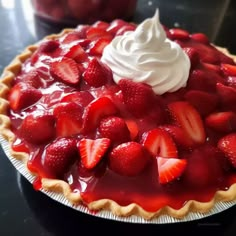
<point>60,155</point>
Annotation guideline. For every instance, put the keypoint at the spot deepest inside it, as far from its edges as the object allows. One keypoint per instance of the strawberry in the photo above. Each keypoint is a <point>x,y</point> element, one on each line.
<point>133,128</point>
<point>159,143</point>
<point>115,26</point>
<point>204,102</point>
<point>138,97</point>
<point>193,56</point>
<point>228,69</point>
<point>227,145</point>
<point>178,34</point>
<point>101,25</point>
<point>96,74</point>
<point>60,155</point>
<point>23,95</point>
<point>97,110</point>
<point>128,159</point>
<point>187,117</point>
<point>94,33</point>
<point>83,98</point>
<point>65,69</point>
<point>72,36</point>
<point>115,129</point>
<point>31,78</point>
<point>222,121</point>
<point>77,53</point>
<point>200,37</point>
<point>212,67</point>
<point>170,169</point>
<point>227,94</point>
<point>125,28</point>
<point>92,151</point>
<point>69,119</point>
<point>178,135</point>
<point>98,46</point>
<point>38,128</point>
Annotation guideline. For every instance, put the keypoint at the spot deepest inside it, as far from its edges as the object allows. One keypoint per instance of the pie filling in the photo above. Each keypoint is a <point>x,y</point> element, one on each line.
<point>121,141</point>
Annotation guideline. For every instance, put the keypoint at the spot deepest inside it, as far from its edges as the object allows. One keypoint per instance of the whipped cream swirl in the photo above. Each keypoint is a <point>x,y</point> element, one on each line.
<point>146,55</point>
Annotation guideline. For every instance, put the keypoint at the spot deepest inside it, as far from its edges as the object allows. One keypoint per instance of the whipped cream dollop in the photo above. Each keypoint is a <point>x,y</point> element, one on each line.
<point>146,55</point>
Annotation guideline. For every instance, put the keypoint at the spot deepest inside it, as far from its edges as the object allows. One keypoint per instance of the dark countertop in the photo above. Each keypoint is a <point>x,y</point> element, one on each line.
<point>24,211</point>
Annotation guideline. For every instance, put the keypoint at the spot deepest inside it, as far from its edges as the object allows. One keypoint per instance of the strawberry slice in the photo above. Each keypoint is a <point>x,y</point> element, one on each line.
<point>138,97</point>
<point>128,159</point>
<point>65,69</point>
<point>193,56</point>
<point>77,53</point>
<point>170,169</point>
<point>96,74</point>
<point>227,95</point>
<point>187,117</point>
<point>69,119</point>
<point>98,46</point>
<point>59,156</point>
<point>97,110</point>
<point>222,121</point>
<point>228,69</point>
<point>159,143</point>
<point>23,95</point>
<point>38,128</point>
<point>101,25</point>
<point>133,128</point>
<point>125,28</point>
<point>116,25</point>
<point>178,34</point>
<point>200,37</point>
<point>227,145</point>
<point>94,33</point>
<point>92,151</point>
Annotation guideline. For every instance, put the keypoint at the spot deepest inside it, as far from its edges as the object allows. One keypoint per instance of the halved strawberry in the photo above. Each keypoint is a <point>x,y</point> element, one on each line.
<point>77,53</point>
<point>222,121</point>
<point>228,69</point>
<point>83,98</point>
<point>187,117</point>
<point>92,151</point>
<point>94,33</point>
<point>97,110</point>
<point>59,156</point>
<point>159,143</point>
<point>96,74</point>
<point>31,78</point>
<point>128,159</point>
<point>23,95</point>
<point>227,94</point>
<point>37,128</point>
<point>133,128</point>
<point>138,97</point>
<point>65,69</point>
<point>69,119</point>
<point>200,37</point>
<point>203,101</point>
<point>170,169</point>
<point>115,129</point>
<point>227,145</point>
<point>179,34</point>
<point>98,46</point>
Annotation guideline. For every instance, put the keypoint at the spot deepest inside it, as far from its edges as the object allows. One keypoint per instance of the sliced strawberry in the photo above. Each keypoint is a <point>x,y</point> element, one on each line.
<point>94,33</point>
<point>31,78</point>
<point>133,128</point>
<point>59,156</point>
<point>178,136</point>
<point>128,159</point>
<point>97,110</point>
<point>138,97</point>
<point>101,25</point>
<point>96,74</point>
<point>228,69</point>
<point>212,67</point>
<point>65,69</point>
<point>23,95</point>
<point>115,129</point>
<point>204,102</point>
<point>69,119</point>
<point>200,37</point>
<point>170,169</point>
<point>227,95</point>
<point>83,98</point>
<point>38,128</point>
<point>77,53</point>
<point>227,145</point>
<point>179,34</point>
<point>73,36</point>
<point>125,28</point>
<point>187,117</point>
<point>92,151</point>
<point>116,25</point>
<point>193,56</point>
<point>159,143</point>
<point>222,121</point>
<point>98,46</point>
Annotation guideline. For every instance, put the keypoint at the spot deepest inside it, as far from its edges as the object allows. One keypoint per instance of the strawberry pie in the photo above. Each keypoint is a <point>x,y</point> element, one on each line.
<point>134,119</point>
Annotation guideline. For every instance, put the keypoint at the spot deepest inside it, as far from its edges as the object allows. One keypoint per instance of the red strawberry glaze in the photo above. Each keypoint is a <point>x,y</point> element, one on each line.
<point>101,182</point>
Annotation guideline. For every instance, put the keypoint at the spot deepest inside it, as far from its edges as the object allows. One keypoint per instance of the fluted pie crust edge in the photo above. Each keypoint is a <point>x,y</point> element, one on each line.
<point>61,186</point>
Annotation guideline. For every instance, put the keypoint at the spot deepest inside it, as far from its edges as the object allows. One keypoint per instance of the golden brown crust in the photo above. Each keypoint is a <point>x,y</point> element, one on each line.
<point>63,187</point>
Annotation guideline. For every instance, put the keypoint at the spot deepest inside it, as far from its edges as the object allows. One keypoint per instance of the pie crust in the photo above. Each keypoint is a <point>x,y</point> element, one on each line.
<point>61,186</point>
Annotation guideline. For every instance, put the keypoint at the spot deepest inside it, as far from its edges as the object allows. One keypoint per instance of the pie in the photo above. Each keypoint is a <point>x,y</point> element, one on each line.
<point>94,115</point>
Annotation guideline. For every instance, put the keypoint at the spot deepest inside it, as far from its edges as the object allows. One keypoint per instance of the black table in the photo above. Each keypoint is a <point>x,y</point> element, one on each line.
<point>24,211</point>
